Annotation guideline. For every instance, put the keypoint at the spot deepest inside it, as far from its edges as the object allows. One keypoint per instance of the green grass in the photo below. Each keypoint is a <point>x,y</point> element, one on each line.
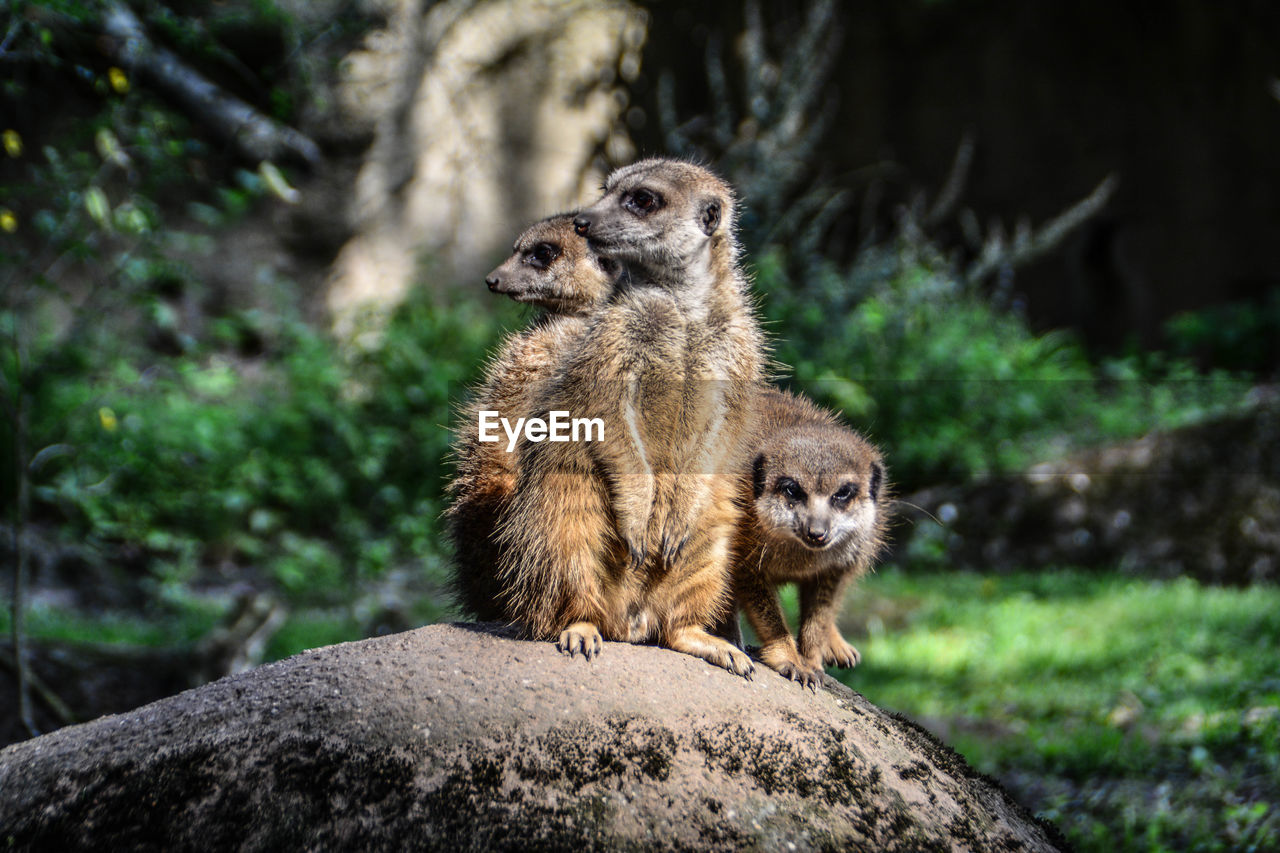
<point>178,625</point>
<point>169,627</point>
<point>1140,715</point>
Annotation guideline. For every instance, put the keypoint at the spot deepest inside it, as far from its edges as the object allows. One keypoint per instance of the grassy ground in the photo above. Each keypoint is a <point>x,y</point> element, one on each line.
<point>1138,715</point>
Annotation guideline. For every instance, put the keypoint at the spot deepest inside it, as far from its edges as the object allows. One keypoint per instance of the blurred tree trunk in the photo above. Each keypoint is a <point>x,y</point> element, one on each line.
<point>487,115</point>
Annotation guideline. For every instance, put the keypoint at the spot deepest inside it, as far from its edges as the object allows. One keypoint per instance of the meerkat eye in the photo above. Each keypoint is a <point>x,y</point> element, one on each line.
<point>642,201</point>
<point>844,494</point>
<point>790,490</point>
<point>543,255</point>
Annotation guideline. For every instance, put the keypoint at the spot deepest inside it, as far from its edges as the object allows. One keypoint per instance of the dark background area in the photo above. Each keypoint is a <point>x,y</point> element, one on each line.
<point>1176,99</point>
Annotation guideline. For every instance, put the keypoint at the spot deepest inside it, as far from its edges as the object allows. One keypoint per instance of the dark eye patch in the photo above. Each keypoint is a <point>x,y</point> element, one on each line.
<point>844,494</point>
<point>789,489</point>
<point>757,476</point>
<point>542,255</point>
<point>642,201</point>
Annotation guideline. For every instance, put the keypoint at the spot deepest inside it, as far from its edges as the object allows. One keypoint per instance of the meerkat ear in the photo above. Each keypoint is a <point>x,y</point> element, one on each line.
<point>711,217</point>
<point>877,474</point>
<point>757,476</point>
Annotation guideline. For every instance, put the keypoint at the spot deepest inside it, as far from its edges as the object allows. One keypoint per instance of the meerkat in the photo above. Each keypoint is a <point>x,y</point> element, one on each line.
<point>550,267</point>
<point>628,538</point>
<point>817,494</point>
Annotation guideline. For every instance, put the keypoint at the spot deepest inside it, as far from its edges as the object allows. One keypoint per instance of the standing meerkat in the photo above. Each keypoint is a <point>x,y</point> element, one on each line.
<point>818,498</point>
<point>628,538</point>
<point>551,267</point>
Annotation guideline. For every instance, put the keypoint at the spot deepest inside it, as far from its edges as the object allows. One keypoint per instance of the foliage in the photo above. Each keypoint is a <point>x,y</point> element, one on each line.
<point>953,386</point>
<point>1139,715</point>
<point>243,442</point>
<point>1236,335</point>
<point>321,472</point>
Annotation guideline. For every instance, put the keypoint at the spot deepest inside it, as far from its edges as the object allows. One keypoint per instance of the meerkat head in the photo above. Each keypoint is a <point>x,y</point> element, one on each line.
<point>552,266</point>
<point>661,215</point>
<point>820,486</point>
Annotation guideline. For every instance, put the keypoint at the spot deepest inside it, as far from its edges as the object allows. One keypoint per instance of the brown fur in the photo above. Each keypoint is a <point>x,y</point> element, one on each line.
<point>628,538</point>
<point>551,267</point>
<point>805,448</point>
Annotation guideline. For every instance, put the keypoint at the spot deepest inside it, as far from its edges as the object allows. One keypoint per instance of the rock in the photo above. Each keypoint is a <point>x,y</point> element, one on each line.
<point>456,737</point>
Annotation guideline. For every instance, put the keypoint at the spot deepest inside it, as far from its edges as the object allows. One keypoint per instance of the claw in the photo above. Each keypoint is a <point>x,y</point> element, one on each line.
<point>671,550</point>
<point>583,638</point>
<point>638,556</point>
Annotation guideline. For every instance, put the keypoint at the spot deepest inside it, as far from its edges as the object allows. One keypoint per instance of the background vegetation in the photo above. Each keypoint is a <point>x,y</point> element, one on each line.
<point>159,460</point>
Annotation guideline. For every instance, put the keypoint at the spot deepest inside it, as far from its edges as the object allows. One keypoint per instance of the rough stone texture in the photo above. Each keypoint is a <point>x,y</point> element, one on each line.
<point>487,115</point>
<point>1202,501</point>
<point>455,737</point>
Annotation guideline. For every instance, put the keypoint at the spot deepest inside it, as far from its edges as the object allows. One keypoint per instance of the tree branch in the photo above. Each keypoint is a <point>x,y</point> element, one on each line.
<point>256,136</point>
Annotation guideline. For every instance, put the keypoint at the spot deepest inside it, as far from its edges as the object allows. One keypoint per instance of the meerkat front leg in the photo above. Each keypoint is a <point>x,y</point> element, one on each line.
<point>696,641</point>
<point>694,488</point>
<point>820,640</point>
<point>623,459</point>
<point>759,602</point>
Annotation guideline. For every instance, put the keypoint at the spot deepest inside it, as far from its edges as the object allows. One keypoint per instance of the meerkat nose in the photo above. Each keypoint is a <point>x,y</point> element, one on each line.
<point>581,224</point>
<point>493,281</point>
<point>815,535</point>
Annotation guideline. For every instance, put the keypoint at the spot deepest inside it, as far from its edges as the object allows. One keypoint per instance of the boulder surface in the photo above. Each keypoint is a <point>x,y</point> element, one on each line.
<point>459,737</point>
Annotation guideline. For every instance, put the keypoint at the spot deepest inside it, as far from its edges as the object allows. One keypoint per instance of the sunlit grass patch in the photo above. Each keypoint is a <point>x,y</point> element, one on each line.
<point>1087,689</point>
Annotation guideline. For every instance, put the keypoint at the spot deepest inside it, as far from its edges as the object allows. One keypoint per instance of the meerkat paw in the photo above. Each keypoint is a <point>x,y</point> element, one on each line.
<point>834,651</point>
<point>634,537</point>
<point>581,637</point>
<point>842,655</point>
<point>802,674</point>
<point>675,535</point>
<point>632,510</point>
<point>714,650</point>
<point>784,659</point>
<point>672,548</point>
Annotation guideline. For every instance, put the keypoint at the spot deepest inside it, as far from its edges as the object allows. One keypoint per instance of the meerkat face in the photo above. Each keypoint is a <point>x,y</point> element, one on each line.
<point>820,487</point>
<point>658,213</point>
<point>551,266</point>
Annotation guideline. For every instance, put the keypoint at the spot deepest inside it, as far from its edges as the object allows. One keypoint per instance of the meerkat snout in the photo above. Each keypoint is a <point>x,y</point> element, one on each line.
<point>815,534</point>
<point>582,225</point>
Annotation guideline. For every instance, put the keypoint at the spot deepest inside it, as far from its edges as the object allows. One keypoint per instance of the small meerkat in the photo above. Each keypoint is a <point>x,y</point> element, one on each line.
<point>551,267</point>
<point>818,515</point>
<point>628,538</point>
